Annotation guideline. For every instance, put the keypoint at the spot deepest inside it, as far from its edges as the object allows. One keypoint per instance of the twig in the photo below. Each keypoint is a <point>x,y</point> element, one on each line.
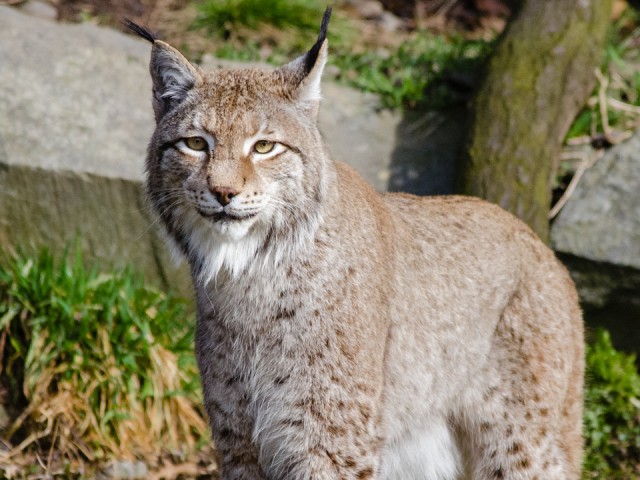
<point>587,162</point>
<point>581,140</point>
<point>53,443</point>
<point>3,339</point>
<point>444,8</point>
<point>602,102</point>
<point>174,471</point>
<point>625,107</point>
<point>40,461</point>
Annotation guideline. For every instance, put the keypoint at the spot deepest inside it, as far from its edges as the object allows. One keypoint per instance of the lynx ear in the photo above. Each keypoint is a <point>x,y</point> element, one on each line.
<point>305,72</point>
<point>172,74</point>
<point>173,77</point>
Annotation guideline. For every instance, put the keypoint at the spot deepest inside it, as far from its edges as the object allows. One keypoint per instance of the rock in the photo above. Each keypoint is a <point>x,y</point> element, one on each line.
<point>412,152</point>
<point>600,224</point>
<point>37,8</point>
<point>4,420</point>
<point>369,9</point>
<point>357,132</point>
<point>75,119</point>
<point>390,23</point>
<point>126,470</point>
<point>424,158</point>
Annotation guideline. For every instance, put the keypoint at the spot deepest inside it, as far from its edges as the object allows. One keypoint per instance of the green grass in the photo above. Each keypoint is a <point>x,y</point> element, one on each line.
<point>248,28</point>
<point>612,412</point>
<point>95,365</point>
<point>410,75</point>
<point>424,71</point>
<point>223,16</point>
<point>419,72</point>
<point>616,96</point>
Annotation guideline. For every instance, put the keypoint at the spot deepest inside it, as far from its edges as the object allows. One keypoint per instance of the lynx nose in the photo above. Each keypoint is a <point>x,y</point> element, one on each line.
<point>224,194</point>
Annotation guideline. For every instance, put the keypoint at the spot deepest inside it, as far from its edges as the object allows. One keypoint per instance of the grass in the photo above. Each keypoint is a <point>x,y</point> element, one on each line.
<point>223,17</point>
<point>612,112</point>
<point>425,70</point>
<point>615,102</point>
<point>612,414</point>
<point>94,366</point>
<point>249,28</point>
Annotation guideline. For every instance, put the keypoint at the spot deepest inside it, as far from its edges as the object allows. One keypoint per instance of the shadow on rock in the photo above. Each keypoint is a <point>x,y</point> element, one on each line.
<point>426,151</point>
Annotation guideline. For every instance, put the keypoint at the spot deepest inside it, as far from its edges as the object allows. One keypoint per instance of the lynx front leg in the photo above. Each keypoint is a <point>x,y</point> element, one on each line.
<point>239,457</point>
<point>317,418</point>
<point>226,401</point>
<point>317,438</point>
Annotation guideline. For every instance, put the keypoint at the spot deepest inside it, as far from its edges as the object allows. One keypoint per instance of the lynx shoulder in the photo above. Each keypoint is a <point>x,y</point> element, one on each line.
<point>348,334</point>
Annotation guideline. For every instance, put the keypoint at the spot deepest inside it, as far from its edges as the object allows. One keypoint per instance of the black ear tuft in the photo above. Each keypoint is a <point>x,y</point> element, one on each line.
<point>135,28</point>
<point>312,55</point>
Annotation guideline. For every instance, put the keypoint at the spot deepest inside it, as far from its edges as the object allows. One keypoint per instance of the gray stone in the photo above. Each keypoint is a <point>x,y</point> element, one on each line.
<point>126,470</point>
<point>74,97</point>
<point>390,23</point>
<point>598,230</point>
<point>413,152</point>
<point>427,147</point>
<point>369,9</point>
<point>358,132</point>
<point>75,118</point>
<point>37,8</point>
<point>4,420</point>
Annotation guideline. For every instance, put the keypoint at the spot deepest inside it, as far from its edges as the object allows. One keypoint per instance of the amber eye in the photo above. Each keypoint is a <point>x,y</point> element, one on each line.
<point>263,146</point>
<point>198,144</point>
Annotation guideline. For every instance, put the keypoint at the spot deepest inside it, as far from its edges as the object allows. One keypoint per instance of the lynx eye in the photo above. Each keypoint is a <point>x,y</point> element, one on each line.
<point>263,146</point>
<point>198,144</point>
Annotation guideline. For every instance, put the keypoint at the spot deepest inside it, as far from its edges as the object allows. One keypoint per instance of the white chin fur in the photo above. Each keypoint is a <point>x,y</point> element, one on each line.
<point>236,247</point>
<point>228,246</point>
<point>222,246</point>
<point>232,231</point>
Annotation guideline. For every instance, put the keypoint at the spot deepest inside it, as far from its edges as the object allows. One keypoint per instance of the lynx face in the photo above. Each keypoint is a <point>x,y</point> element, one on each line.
<point>236,158</point>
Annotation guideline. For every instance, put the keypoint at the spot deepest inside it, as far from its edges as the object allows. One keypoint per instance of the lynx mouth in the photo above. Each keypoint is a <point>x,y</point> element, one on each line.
<point>225,217</point>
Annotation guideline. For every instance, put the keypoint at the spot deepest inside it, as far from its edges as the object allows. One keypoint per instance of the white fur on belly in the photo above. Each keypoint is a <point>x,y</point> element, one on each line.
<point>426,454</point>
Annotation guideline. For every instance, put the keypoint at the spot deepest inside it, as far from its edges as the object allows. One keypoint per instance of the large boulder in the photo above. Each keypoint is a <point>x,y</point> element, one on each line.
<point>601,223</point>
<point>75,119</point>
<point>597,235</point>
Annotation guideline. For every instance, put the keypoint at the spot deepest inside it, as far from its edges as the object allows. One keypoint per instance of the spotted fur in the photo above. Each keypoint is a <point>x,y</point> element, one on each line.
<point>347,334</point>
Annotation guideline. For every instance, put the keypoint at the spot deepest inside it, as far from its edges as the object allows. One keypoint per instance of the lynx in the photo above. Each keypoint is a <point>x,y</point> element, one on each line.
<point>344,333</point>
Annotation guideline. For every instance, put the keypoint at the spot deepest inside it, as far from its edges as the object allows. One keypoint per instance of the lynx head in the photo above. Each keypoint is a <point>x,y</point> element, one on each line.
<point>235,168</point>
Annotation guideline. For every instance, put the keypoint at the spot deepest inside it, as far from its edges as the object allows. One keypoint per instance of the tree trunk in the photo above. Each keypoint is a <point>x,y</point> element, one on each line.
<point>537,80</point>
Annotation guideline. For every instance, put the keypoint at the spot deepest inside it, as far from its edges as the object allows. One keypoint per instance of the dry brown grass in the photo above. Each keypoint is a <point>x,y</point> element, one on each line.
<point>102,370</point>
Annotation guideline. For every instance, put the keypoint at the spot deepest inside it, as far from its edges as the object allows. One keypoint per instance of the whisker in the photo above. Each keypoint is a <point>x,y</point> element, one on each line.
<point>156,218</point>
